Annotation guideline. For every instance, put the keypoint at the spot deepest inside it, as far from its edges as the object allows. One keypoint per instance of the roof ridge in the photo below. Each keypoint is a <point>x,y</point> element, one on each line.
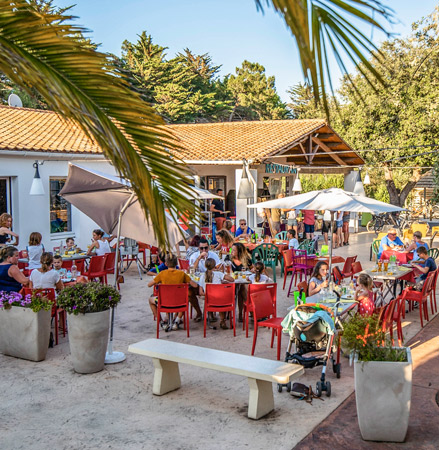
<point>22,108</point>
<point>240,122</point>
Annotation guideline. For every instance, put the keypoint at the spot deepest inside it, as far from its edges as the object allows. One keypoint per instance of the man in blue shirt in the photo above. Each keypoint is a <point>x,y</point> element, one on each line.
<point>390,242</point>
<point>243,230</point>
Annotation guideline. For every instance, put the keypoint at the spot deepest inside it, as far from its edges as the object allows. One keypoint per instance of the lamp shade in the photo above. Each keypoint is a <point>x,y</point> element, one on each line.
<point>366,179</point>
<point>37,187</point>
<point>245,186</point>
<point>359,188</point>
<point>297,186</point>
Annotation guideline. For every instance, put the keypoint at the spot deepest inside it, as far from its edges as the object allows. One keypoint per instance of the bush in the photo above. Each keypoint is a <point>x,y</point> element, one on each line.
<point>36,302</point>
<point>363,336</point>
<point>88,298</point>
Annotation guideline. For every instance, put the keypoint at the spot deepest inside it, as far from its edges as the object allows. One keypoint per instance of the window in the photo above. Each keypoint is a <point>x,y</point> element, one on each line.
<point>60,209</point>
<point>5,200</point>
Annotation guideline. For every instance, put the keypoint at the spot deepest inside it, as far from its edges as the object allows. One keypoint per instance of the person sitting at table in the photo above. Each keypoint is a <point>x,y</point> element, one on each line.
<point>214,277</point>
<point>34,250</point>
<point>228,226</point>
<point>259,276</point>
<point>240,262</point>
<point>364,295</point>
<point>57,265</point>
<point>390,242</point>
<point>417,242</point>
<point>5,231</point>
<point>197,261</point>
<point>161,260</point>
<point>225,241</point>
<point>319,278</point>
<point>45,277</point>
<point>99,245</point>
<point>292,241</point>
<point>11,279</point>
<point>429,264</point>
<point>243,230</point>
<point>70,244</point>
<point>192,246</point>
<point>170,276</point>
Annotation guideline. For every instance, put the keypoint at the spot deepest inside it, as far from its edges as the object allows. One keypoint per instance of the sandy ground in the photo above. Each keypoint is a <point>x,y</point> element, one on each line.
<point>47,404</point>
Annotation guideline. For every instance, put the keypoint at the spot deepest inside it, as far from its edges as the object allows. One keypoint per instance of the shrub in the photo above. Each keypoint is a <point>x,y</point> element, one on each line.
<point>35,301</point>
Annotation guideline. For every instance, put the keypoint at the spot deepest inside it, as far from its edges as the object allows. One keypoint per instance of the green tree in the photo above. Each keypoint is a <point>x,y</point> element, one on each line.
<point>254,94</point>
<point>303,104</point>
<point>405,113</point>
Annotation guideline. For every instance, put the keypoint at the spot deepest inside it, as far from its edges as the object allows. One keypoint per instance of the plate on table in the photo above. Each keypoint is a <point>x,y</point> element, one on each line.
<point>67,280</point>
<point>347,297</point>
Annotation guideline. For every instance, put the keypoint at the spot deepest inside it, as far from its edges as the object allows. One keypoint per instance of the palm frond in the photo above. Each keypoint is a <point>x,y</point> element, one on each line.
<point>43,51</point>
<point>321,26</point>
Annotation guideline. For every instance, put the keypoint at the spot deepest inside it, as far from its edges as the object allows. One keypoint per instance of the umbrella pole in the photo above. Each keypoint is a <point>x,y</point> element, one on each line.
<point>116,357</point>
<point>331,238</point>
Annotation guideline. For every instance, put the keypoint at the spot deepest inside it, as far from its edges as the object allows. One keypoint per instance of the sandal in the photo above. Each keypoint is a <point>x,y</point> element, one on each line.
<point>223,325</point>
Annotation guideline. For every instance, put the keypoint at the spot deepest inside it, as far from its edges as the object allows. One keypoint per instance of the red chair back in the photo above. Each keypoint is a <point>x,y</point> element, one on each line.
<point>97,264</point>
<point>347,268</point>
<point>428,284</point>
<point>270,287</point>
<point>110,259</point>
<point>262,305</point>
<point>389,314</point>
<point>183,264</point>
<point>79,263</point>
<point>288,257</point>
<point>220,296</point>
<point>173,297</point>
<point>356,267</point>
<point>338,277</point>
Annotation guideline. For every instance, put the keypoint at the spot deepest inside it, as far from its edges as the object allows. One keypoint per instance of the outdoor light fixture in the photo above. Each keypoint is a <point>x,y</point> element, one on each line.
<point>37,187</point>
<point>366,181</point>
<point>246,186</point>
<point>359,188</point>
<point>297,185</point>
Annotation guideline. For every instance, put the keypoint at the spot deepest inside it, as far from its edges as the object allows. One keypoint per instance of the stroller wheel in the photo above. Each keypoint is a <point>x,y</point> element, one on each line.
<point>328,389</point>
<point>289,386</point>
<point>319,388</point>
<point>337,369</point>
<point>295,361</point>
<point>279,387</point>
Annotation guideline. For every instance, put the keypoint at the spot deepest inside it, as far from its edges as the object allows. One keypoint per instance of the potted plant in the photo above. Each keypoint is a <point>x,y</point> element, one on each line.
<point>88,315</point>
<point>383,380</point>
<point>24,325</point>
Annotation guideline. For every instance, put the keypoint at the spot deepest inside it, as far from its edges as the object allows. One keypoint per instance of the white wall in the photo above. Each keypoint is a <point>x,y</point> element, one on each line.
<point>32,213</point>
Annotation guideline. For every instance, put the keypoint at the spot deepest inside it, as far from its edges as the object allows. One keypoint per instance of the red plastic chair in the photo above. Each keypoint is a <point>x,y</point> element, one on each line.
<point>183,264</point>
<point>252,288</point>
<point>287,255</point>
<point>79,263</point>
<point>420,297</point>
<point>264,314</point>
<point>338,276</point>
<point>220,298</point>
<point>142,249</point>
<point>110,259</point>
<point>96,269</point>
<point>397,318</point>
<point>173,298</point>
<point>57,313</point>
<point>356,267</point>
<point>433,292</point>
<point>347,268</point>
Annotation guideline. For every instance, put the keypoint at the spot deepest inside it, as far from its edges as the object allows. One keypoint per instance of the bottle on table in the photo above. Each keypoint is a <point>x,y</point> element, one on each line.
<point>69,275</point>
<point>227,265</point>
<point>74,270</point>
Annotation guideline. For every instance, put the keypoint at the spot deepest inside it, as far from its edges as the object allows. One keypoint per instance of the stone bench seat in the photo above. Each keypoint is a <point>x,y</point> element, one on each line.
<point>261,373</point>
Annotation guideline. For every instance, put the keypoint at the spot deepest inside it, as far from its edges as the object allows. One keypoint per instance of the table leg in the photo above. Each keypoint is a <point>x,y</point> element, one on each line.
<point>166,376</point>
<point>261,400</point>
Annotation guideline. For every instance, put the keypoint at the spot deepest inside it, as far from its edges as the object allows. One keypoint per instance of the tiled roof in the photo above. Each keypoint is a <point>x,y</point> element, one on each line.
<point>45,131</point>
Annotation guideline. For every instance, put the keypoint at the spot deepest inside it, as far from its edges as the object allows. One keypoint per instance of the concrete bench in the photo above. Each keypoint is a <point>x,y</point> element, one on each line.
<point>261,373</point>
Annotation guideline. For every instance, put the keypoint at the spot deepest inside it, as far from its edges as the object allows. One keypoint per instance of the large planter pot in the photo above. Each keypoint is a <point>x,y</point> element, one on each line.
<point>24,333</point>
<point>383,393</point>
<point>88,339</point>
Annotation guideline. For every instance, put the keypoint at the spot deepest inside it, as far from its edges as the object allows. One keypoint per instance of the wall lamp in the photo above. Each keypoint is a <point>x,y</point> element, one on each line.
<point>37,187</point>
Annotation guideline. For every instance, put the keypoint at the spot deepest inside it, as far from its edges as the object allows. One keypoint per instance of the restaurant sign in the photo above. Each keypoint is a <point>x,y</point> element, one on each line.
<point>279,168</point>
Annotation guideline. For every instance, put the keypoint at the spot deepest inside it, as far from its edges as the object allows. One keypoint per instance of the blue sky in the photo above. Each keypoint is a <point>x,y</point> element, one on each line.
<point>229,30</point>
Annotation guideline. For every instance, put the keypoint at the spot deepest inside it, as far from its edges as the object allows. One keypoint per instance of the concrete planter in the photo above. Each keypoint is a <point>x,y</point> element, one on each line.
<point>88,339</point>
<point>24,333</point>
<point>383,393</point>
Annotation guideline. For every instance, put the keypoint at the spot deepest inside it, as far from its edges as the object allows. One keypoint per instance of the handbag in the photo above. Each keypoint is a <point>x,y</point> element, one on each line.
<point>304,392</point>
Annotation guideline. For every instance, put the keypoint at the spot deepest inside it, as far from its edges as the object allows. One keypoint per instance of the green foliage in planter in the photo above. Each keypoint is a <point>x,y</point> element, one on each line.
<point>363,336</point>
<point>88,298</point>
<point>35,301</point>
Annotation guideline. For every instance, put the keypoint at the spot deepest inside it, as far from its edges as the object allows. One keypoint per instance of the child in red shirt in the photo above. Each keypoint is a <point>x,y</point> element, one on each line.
<point>364,295</point>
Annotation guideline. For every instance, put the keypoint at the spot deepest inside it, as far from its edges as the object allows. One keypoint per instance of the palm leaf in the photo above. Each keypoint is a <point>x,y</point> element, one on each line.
<point>317,23</point>
<point>43,51</point>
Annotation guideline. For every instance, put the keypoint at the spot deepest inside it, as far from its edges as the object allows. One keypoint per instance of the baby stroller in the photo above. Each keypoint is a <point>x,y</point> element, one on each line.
<point>312,331</point>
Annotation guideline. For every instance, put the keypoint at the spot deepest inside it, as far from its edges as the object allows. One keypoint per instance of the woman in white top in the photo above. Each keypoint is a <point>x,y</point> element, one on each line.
<point>99,246</point>
<point>214,278</point>
<point>34,250</point>
<point>45,277</point>
<point>259,277</point>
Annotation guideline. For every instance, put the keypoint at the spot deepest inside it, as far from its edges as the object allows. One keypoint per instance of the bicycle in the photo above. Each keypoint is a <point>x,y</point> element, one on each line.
<point>378,222</point>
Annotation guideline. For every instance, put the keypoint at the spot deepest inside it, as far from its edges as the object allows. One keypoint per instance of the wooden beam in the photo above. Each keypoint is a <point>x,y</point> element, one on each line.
<point>324,147</point>
<point>303,151</point>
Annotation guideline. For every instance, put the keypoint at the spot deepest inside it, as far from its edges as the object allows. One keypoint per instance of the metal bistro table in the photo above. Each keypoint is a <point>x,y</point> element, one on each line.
<point>390,281</point>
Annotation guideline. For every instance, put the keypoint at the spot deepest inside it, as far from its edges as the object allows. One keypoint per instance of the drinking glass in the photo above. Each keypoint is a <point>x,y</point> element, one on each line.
<point>379,264</point>
<point>386,265</point>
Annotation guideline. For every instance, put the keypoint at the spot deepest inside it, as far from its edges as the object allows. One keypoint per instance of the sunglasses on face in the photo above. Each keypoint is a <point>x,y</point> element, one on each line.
<point>204,248</point>
<point>242,224</point>
<point>392,234</point>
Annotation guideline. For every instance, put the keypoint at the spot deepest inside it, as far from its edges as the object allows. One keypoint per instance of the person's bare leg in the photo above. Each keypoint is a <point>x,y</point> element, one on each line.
<point>242,295</point>
<point>325,238</point>
<point>193,300</point>
<point>153,306</point>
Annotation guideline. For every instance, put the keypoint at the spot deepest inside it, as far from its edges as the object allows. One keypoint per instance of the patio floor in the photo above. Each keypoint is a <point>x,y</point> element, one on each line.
<point>47,404</point>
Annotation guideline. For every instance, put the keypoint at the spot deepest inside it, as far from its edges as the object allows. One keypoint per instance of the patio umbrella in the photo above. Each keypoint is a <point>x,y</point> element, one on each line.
<point>333,200</point>
<point>112,204</point>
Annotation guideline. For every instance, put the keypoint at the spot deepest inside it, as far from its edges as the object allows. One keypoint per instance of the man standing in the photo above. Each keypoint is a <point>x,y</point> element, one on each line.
<point>309,221</point>
<point>197,261</point>
<point>346,220</point>
<point>275,216</point>
<point>217,207</point>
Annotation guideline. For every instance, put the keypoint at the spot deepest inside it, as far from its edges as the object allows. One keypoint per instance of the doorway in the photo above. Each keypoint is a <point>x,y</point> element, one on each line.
<point>5,195</point>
